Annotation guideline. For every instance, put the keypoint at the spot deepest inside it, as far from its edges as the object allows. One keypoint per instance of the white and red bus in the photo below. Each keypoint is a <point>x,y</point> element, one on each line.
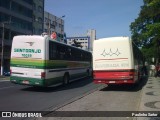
<point>117,60</point>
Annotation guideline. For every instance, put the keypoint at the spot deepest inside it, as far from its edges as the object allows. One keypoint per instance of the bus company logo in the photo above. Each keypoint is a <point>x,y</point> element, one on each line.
<point>110,53</point>
<point>6,114</point>
<point>30,43</point>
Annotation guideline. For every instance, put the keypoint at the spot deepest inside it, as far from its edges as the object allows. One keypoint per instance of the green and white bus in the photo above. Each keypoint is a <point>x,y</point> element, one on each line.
<point>42,61</point>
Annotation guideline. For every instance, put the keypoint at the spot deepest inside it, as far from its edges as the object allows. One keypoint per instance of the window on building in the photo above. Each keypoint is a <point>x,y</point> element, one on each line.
<point>34,6</point>
<point>21,24</point>
<point>40,31</point>
<point>5,3</point>
<point>52,26</point>
<point>34,18</point>
<point>62,26</point>
<point>40,20</point>
<point>21,10</point>
<point>4,17</point>
<point>46,19</point>
<point>33,30</point>
<point>49,20</point>
<point>28,1</point>
<point>53,22</point>
<point>45,30</point>
<point>59,25</point>
<point>40,9</point>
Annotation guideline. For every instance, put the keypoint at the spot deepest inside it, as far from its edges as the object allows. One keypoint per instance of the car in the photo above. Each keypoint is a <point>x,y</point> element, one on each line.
<point>6,73</point>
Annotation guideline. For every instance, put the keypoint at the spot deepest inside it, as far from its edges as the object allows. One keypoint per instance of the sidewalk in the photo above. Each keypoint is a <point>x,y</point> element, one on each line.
<point>150,101</point>
<point>4,77</point>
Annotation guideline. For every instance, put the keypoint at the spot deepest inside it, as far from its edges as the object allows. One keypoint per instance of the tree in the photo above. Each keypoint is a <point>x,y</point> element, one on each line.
<point>146,29</point>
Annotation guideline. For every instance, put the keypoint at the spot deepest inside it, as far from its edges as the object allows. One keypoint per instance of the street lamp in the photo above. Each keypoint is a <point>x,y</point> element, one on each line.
<point>2,48</point>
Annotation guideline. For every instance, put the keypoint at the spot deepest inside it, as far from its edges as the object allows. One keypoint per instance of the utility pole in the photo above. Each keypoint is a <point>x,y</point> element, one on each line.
<point>2,49</point>
<point>2,46</point>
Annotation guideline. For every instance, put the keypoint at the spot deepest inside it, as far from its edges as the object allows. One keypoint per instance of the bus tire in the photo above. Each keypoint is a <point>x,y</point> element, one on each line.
<point>65,79</point>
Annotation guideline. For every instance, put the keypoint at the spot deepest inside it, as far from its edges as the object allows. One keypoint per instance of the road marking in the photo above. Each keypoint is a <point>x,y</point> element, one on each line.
<point>6,87</point>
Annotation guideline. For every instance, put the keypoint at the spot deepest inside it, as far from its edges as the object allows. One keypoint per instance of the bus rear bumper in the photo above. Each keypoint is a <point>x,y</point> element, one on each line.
<point>114,77</point>
<point>96,81</point>
<point>27,81</point>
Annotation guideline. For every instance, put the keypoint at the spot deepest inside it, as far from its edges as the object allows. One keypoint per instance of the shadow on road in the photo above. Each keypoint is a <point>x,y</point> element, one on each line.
<point>72,85</point>
<point>129,88</point>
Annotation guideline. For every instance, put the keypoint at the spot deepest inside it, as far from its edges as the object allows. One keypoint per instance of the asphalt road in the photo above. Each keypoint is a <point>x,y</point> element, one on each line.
<point>82,95</point>
<point>25,98</point>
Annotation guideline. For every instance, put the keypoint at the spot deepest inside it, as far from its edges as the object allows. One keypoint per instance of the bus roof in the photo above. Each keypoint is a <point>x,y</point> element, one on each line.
<point>47,37</point>
<point>113,38</point>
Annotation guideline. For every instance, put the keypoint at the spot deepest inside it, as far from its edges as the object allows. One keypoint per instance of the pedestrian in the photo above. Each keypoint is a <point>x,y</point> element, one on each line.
<point>152,70</point>
<point>157,70</point>
<point>145,68</point>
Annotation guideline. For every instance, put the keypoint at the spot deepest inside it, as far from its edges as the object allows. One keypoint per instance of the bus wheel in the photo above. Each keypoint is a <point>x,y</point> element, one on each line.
<point>65,79</point>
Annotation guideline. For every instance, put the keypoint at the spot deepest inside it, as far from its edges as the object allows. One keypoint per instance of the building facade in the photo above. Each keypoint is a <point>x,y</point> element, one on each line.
<point>55,24</point>
<point>92,34</point>
<point>16,18</point>
<point>38,16</point>
<point>85,41</point>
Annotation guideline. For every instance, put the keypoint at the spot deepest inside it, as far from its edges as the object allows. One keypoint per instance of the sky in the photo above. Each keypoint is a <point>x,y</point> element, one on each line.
<point>110,18</point>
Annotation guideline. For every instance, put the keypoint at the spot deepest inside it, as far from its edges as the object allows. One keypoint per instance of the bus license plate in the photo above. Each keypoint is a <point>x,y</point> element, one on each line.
<point>112,82</point>
<point>25,82</point>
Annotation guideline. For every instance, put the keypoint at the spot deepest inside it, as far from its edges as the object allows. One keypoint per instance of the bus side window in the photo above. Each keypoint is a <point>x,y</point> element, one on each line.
<point>68,53</point>
<point>81,57</point>
<point>62,53</point>
<point>57,52</point>
<point>72,53</point>
<point>52,50</point>
<point>65,52</point>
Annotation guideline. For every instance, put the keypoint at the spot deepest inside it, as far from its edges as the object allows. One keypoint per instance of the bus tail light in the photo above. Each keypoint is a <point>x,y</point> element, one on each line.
<point>43,74</point>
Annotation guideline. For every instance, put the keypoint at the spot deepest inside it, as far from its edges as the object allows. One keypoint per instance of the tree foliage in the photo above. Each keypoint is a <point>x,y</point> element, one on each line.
<point>146,28</point>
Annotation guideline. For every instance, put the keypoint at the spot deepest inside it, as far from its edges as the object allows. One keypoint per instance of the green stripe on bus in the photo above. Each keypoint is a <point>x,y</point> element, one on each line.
<point>54,64</point>
<point>47,64</point>
<point>28,63</point>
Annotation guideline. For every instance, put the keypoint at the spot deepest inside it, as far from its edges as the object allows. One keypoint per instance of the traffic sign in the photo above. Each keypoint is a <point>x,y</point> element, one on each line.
<point>54,35</point>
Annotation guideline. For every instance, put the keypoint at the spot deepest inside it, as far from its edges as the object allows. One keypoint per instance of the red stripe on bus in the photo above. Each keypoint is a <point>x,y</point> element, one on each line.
<point>112,59</point>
